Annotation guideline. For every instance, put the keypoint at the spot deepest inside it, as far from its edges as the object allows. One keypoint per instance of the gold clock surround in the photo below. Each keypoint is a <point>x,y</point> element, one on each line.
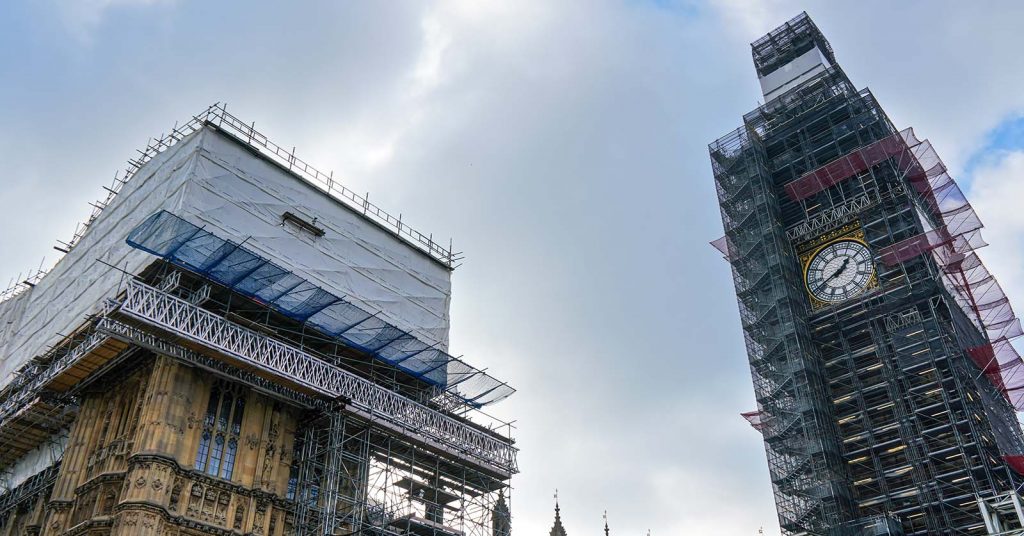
<point>809,250</point>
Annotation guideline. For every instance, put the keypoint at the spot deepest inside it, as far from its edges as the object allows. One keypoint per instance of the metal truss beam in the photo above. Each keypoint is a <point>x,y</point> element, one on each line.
<point>30,385</point>
<point>174,315</point>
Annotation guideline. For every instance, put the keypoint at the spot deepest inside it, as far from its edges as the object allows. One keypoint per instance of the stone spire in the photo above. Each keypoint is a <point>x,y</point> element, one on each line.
<point>557,529</point>
<point>606,523</point>
<point>501,518</point>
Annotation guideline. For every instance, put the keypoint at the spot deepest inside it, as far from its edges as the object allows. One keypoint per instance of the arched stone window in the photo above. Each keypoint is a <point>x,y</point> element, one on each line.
<point>222,427</point>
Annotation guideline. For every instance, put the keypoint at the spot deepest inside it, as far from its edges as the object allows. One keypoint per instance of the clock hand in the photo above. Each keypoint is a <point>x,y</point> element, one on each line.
<point>841,269</point>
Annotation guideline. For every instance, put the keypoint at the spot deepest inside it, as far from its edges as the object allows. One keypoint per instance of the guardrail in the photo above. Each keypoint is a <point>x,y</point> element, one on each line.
<point>189,321</point>
<point>31,379</point>
<point>218,116</point>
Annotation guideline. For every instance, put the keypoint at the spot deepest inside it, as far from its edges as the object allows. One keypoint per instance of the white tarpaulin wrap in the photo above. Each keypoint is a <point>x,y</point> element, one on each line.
<point>34,461</point>
<point>214,181</point>
<point>240,197</point>
<point>794,73</point>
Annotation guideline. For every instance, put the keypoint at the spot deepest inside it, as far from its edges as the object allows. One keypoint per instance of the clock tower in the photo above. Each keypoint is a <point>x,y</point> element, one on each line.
<point>879,344</point>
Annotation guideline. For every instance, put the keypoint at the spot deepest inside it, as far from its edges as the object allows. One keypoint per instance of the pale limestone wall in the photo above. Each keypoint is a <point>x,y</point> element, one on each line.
<point>129,462</point>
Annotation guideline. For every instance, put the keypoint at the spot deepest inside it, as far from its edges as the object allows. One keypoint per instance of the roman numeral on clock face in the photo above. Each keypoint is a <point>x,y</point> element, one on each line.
<point>839,271</point>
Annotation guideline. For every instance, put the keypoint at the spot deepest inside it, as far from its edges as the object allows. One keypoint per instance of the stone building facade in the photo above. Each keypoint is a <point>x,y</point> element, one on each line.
<point>165,449</point>
<point>264,360</point>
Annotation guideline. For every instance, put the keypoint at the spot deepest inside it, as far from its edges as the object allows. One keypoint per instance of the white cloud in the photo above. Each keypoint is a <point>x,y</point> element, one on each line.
<point>997,191</point>
<point>83,17</point>
<point>436,40</point>
<point>745,18</point>
<point>564,148</point>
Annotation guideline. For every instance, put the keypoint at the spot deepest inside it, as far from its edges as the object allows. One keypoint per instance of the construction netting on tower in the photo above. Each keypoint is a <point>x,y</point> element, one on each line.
<point>952,236</point>
<point>758,419</point>
<point>953,245</point>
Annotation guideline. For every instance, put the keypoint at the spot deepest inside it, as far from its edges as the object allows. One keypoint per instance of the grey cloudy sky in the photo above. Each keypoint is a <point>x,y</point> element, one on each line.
<point>563,146</point>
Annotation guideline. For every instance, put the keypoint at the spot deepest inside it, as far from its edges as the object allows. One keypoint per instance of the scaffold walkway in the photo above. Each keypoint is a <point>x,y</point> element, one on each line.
<point>307,372</point>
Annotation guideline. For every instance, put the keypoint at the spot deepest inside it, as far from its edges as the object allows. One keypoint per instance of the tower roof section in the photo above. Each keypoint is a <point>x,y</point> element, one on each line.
<point>217,116</point>
<point>787,42</point>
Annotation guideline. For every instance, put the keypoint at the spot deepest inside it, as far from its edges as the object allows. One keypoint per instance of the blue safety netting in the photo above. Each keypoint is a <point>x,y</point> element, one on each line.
<point>232,265</point>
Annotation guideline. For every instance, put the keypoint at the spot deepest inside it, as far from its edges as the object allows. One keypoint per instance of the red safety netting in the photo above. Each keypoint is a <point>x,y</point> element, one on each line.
<point>949,248</point>
<point>914,246</point>
<point>989,358</point>
<point>1001,364</point>
<point>1015,462</point>
<point>942,197</point>
<point>953,246</point>
<point>846,166</point>
<point>757,419</point>
<point>724,245</point>
<point>981,296</point>
<point>915,160</point>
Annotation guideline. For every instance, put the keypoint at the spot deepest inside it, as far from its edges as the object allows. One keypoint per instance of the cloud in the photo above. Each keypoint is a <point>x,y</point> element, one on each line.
<point>996,194</point>
<point>83,17</point>
<point>747,19</point>
<point>564,148</point>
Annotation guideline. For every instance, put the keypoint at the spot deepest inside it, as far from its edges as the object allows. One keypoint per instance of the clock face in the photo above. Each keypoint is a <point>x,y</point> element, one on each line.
<point>839,271</point>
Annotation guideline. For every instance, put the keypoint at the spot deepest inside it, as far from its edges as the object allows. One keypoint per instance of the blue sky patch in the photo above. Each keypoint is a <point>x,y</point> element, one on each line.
<point>1006,136</point>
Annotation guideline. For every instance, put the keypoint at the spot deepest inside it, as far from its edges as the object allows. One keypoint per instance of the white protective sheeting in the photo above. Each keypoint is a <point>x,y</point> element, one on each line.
<point>793,73</point>
<point>78,283</point>
<point>239,197</point>
<point>34,461</point>
<point>212,180</point>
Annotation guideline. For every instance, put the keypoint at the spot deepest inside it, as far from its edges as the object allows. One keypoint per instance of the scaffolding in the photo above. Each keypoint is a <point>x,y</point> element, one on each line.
<point>376,463</point>
<point>21,283</point>
<point>787,42</point>
<point>217,116</point>
<point>894,410</point>
<point>393,439</point>
<point>786,373</point>
<point>236,267</point>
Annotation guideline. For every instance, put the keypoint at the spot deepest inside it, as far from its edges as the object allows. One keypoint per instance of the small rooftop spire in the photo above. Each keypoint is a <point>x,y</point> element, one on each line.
<point>606,523</point>
<point>501,518</point>
<point>557,529</point>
